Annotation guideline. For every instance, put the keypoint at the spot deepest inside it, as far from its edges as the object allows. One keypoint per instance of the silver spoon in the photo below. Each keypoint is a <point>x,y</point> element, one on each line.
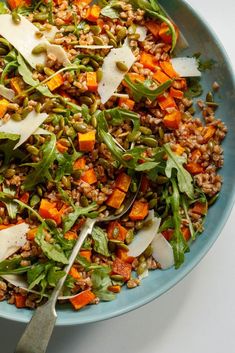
<point>37,334</point>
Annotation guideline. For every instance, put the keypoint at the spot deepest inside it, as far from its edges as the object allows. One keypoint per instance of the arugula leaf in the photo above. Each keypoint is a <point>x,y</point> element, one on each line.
<point>183,176</point>
<point>109,11</point>
<point>146,166</point>
<point>185,205</point>
<point>51,251</point>
<point>194,87</point>
<point>141,90</point>
<point>35,275</point>
<point>100,283</point>
<point>3,8</point>
<point>12,207</point>
<point>65,163</point>
<point>70,219</point>
<point>54,275</point>
<point>12,266</point>
<point>41,168</point>
<point>178,242</point>
<point>27,76</point>
<point>8,152</point>
<point>100,241</point>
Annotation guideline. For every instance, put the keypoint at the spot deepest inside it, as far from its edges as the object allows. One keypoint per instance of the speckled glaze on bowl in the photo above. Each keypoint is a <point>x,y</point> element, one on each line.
<point>201,39</point>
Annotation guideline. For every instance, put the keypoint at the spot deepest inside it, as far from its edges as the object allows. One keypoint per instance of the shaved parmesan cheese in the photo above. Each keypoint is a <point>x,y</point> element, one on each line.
<point>41,131</point>
<point>186,67</point>
<point>59,53</point>
<point>50,35</point>
<point>94,47</point>
<point>12,239</point>
<point>112,76</point>
<point>25,128</point>
<point>142,31</point>
<point>145,236</point>
<point>7,93</point>
<point>23,37</point>
<point>20,282</point>
<point>162,251</point>
<point>121,95</point>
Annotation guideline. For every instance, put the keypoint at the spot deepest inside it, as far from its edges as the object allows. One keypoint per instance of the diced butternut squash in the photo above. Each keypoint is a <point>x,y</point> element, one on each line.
<point>18,3</point>
<point>115,288</point>
<point>172,120</point>
<point>168,233</point>
<point>194,168</point>
<point>91,81</point>
<point>186,233</point>
<point>93,13</point>
<point>82,3</point>
<point>70,235</point>
<point>3,107</point>
<point>80,163</point>
<point>86,141</point>
<point>208,133</point>
<point>55,82</point>
<point>123,182</point>
<point>195,155</point>
<point>20,301</point>
<point>160,76</point>
<point>166,101</point>
<point>126,103</point>
<point>24,197</point>
<point>74,273</point>
<point>17,85</point>
<point>139,211</point>
<point>123,255</point>
<point>153,27</point>
<point>86,254</point>
<point>200,208</point>
<point>121,268</point>
<point>31,233</point>
<point>179,149</point>
<point>149,61</point>
<point>175,93</point>
<point>89,176</point>
<point>82,299</point>
<point>116,231</point>
<point>167,67</point>
<point>134,77</point>
<point>60,147</point>
<point>116,199</point>
<point>48,210</point>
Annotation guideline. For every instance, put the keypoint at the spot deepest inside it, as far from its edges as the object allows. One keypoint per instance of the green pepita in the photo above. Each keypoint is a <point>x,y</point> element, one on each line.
<point>9,173</point>
<point>84,201</point>
<point>33,150</point>
<point>152,203</point>
<point>121,66</point>
<point>3,51</point>
<point>40,17</point>
<point>86,100</point>
<point>98,40</point>
<point>113,43</point>
<point>129,237</point>
<point>40,48</point>
<point>66,182</point>
<point>99,74</point>
<point>16,117</point>
<point>15,17</point>
<point>94,120</point>
<point>150,142</point>
<point>80,127</point>
<point>121,34</point>
<point>145,130</point>
<point>95,29</point>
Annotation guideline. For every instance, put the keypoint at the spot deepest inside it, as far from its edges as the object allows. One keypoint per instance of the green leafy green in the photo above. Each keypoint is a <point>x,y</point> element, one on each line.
<point>100,283</point>
<point>178,242</point>
<point>146,166</point>
<point>3,8</point>
<point>109,11</point>
<point>8,153</point>
<point>183,176</point>
<point>12,266</point>
<point>185,204</point>
<point>70,219</point>
<point>10,65</point>
<point>141,90</point>
<point>27,76</point>
<point>54,275</point>
<point>35,274</point>
<point>41,168</point>
<point>100,241</point>
<point>12,207</point>
<point>52,251</point>
<point>65,163</point>
<point>194,87</point>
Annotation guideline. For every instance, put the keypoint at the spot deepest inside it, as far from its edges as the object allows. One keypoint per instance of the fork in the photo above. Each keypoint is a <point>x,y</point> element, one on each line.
<point>37,334</point>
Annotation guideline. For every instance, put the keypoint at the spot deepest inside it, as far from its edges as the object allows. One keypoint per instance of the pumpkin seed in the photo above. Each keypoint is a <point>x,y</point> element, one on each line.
<point>110,35</point>
<point>161,179</point>
<point>121,34</point>
<point>139,225</point>
<point>35,199</point>
<point>150,142</point>
<point>122,246</point>
<point>113,43</point>
<point>209,97</point>
<point>211,145</point>
<point>148,252</point>
<point>161,132</point>
<point>94,64</point>
<point>213,199</point>
<point>38,34</point>
<point>95,29</point>
<point>39,190</point>
<point>40,17</point>
<point>134,36</point>
<point>104,163</point>
<point>62,123</point>
<point>94,120</point>
<point>86,100</point>
<point>102,208</point>
<point>40,48</point>
<point>135,137</point>
<point>66,182</point>
<point>9,173</point>
<point>121,66</point>
<point>145,130</point>
<point>65,142</point>
<point>32,150</point>
<point>152,203</point>
<point>3,51</point>
<point>85,61</point>
<point>98,40</point>
<point>129,237</point>
<point>119,210</point>
<point>15,17</point>
<point>38,107</point>
<point>48,71</point>
<point>117,277</point>
<point>80,127</point>
<point>59,110</point>
<point>16,117</point>
<point>84,201</point>
<point>141,268</point>
<point>25,112</point>
<point>70,28</point>
<point>70,132</point>
<point>86,28</point>
<point>99,74</point>
<point>77,173</point>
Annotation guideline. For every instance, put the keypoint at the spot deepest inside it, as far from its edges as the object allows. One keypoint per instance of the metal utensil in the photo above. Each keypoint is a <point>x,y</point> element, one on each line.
<point>37,334</point>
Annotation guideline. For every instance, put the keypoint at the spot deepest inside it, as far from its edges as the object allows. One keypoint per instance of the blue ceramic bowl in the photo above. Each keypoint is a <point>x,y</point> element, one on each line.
<point>201,39</point>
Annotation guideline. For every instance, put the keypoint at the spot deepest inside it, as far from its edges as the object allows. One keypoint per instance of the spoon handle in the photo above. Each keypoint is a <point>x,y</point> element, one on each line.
<point>37,334</point>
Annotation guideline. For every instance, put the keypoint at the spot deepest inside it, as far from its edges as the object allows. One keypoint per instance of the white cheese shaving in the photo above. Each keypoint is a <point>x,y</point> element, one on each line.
<point>50,35</point>
<point>93,47</point>
<point>142,31</point>
<point>145,236</point>
<point>41,131</point>
<point>12,239</point>
<point>23,37</point>
<point>162,251</point>
<point>121,95</point>
<point>112,76</point>
<point>7,93</point>
<point>25,128</point>
<point>186,67</point>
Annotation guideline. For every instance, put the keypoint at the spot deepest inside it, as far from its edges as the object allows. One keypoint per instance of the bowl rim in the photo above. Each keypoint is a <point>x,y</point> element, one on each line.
<point>197,258</point>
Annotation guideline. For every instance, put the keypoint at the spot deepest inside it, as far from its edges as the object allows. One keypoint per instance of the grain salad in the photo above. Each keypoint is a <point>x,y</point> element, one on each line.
<point>96,108</point>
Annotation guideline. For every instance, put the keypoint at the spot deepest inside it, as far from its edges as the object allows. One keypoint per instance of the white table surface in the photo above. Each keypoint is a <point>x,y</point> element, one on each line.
<point>198,314</point>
